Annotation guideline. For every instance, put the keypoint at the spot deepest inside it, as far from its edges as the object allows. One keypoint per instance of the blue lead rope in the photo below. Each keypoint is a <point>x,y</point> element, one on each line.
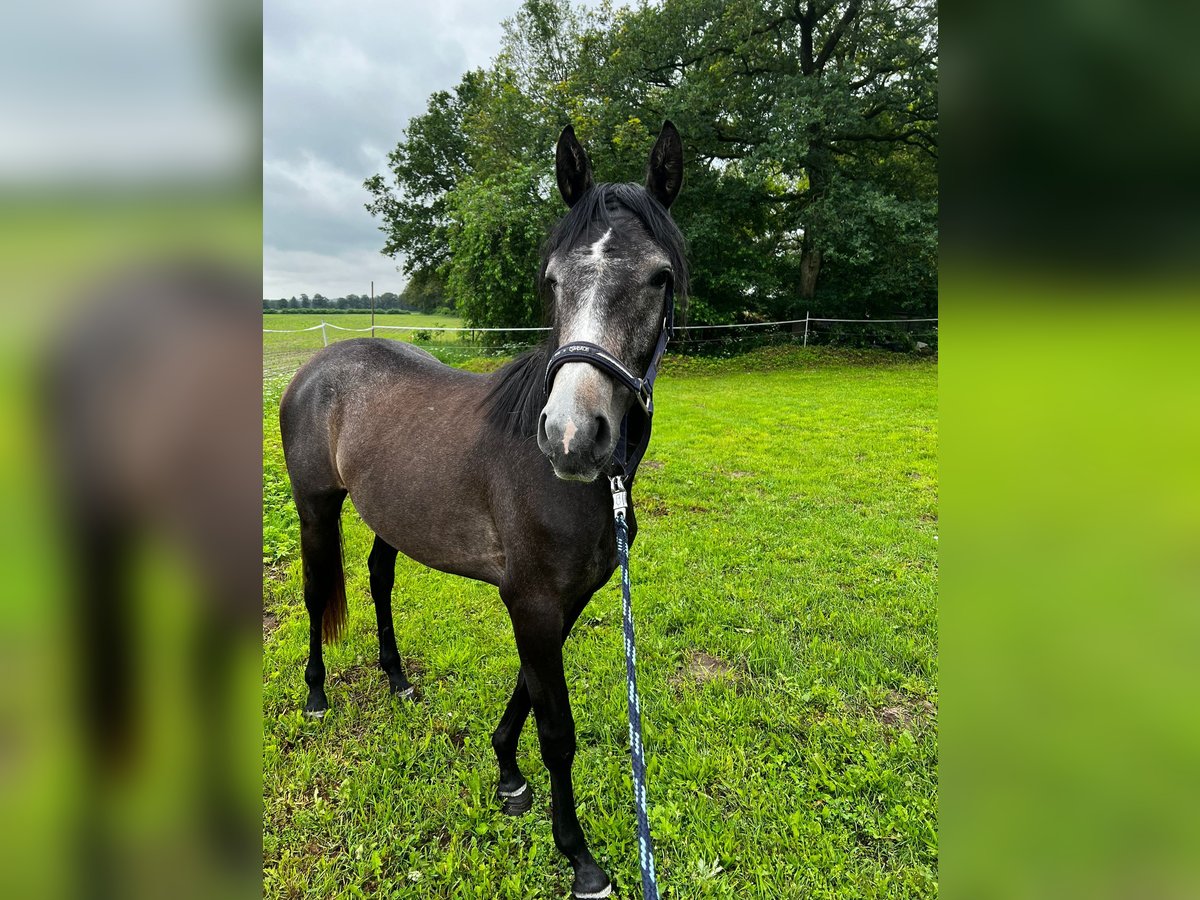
<point>631,446</point>
<point>637,750</point>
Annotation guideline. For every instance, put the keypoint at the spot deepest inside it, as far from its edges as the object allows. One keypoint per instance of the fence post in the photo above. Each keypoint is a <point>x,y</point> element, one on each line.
<point>324,335</point>
<point>372,309</point>
<point>806,328</point>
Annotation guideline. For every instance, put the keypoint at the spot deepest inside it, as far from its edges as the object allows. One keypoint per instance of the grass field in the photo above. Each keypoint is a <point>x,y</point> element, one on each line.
<point>283,352</point>
<point>785,590</point>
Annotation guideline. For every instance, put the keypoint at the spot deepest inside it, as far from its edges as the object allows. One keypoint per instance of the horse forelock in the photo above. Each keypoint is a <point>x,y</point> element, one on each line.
<point>587,221</point>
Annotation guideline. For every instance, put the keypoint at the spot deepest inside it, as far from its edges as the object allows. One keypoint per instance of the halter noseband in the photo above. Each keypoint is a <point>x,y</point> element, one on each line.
<point>625,462</point>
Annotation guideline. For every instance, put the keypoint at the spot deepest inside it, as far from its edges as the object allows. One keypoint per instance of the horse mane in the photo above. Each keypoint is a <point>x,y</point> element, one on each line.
<point>515,399</point>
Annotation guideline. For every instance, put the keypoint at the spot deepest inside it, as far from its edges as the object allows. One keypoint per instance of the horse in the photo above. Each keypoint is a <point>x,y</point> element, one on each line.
<point>497,477</point>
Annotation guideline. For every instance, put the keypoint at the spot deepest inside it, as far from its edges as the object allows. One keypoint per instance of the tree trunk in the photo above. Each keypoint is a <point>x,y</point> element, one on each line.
<point>817,166</point>
<point>810,268</point>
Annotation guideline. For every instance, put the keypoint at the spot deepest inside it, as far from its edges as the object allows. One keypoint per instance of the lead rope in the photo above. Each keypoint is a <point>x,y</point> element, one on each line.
<point>637,750</point>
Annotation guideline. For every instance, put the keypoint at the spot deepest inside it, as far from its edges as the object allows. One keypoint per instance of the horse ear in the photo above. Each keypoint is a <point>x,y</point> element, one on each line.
<point>664,172</point>
<point>572,166</point>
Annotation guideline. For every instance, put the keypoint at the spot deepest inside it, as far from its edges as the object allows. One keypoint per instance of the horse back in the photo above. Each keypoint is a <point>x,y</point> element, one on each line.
<point>400,431</point>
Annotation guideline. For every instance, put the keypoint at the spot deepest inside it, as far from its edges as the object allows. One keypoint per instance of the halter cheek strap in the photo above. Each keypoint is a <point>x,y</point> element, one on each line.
<point>628,453</point>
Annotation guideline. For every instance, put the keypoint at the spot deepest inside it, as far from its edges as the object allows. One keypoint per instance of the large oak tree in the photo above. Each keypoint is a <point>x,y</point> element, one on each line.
<point>811,138</point>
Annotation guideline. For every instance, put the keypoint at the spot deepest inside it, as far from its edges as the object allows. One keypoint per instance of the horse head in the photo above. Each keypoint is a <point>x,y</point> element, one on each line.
<point>609,272</point>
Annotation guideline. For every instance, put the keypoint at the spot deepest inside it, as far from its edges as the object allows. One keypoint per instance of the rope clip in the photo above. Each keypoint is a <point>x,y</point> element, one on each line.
<point>620,496</point>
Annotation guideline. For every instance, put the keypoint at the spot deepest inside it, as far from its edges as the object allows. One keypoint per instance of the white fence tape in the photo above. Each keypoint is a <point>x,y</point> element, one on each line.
<point>483,330</point>
<point>802,321</point>
<point>292,330</point>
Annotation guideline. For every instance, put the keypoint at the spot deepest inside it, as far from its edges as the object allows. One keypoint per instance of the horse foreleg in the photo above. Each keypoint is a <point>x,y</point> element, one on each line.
<point>382,566</point>
<point>514,792</point>
<point>539,627</point>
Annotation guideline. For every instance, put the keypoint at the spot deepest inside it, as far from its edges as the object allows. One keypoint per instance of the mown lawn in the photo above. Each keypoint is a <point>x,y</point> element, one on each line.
<point>286,343</point>
<point>785,590</point>
<point>357,320</point>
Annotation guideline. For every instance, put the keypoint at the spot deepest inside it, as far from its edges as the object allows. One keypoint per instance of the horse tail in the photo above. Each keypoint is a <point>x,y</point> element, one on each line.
<point>321,552</point>
<point>333,622</point>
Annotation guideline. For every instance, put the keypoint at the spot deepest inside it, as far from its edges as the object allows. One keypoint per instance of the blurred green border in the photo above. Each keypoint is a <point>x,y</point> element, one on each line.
<point>1070,583</point>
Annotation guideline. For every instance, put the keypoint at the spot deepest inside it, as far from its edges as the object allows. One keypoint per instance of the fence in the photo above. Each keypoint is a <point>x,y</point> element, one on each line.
<point>285,349</point>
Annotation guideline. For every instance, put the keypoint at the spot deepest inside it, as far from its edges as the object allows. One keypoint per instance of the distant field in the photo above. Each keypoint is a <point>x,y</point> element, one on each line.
<point>785,584</point>
<point>358,320</point>
<point>286,352</point>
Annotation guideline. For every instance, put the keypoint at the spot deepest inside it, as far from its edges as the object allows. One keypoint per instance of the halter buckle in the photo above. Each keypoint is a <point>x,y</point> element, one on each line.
<point>646,398</point>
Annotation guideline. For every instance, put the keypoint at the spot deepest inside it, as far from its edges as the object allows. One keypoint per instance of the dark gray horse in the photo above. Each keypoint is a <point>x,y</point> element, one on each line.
<point>485,475</point>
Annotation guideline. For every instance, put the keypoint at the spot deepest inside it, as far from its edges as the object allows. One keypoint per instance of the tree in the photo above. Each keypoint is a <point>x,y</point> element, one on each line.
<point>801,117</point>
<point>425,291</point>
<point>499,222</point>
<point>424,166</point>
<point>810,128</point>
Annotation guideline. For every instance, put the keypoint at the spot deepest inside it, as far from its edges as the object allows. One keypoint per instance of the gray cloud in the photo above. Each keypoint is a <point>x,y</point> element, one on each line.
<point>340,82</point>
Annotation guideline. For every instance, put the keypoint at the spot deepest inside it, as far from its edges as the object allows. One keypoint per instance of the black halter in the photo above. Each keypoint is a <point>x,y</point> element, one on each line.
<point>635,436</point>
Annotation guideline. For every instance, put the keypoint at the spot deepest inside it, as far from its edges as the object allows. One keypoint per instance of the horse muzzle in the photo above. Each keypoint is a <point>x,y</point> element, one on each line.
<point>576,429</point>
<point>578,449</point>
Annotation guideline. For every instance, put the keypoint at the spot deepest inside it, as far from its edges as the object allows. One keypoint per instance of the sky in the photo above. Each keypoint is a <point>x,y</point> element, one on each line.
<point>341,80</point>
<point>128,94</point>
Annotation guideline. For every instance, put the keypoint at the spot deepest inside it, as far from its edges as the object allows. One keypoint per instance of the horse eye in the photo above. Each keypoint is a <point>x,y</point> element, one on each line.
<point>660,278</point>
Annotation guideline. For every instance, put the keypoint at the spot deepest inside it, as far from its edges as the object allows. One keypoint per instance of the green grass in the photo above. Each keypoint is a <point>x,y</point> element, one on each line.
<point>285,352</point>
<point>784,586</point>
<point>358,320</point>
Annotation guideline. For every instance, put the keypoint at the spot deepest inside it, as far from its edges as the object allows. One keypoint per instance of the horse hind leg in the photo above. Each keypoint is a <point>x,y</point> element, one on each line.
<point>101,550</point>
<point>382,566</point>
<point>324,586</point>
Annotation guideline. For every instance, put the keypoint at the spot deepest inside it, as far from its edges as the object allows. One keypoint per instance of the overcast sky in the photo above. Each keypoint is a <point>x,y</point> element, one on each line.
<point>341,79</point>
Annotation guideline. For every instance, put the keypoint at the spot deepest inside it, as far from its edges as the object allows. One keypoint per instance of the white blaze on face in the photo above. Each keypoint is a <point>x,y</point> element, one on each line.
<point>587,324</point>
<point>580,383</point>
<point>577,426</point>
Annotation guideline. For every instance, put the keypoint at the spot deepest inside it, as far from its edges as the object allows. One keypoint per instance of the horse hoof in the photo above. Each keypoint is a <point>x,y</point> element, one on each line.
<point>408,692</point>
<point>591,883</point>
<point>518,802</point>
<point>317,706</point>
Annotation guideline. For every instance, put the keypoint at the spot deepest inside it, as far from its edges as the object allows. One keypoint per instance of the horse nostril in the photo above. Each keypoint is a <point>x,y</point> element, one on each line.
<point>542,439</point>
<point>603,433</point>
